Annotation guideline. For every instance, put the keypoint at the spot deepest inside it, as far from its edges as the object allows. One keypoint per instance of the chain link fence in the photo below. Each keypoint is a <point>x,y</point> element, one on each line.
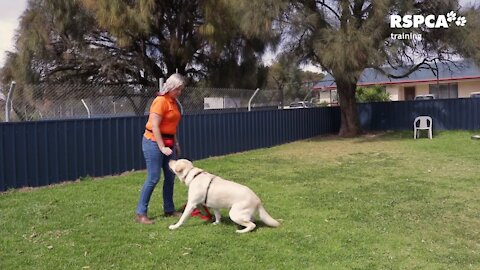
<point>66,101</point>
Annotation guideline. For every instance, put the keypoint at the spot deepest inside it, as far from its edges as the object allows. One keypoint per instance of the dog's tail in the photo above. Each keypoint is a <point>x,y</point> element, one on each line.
<point>266,218</point>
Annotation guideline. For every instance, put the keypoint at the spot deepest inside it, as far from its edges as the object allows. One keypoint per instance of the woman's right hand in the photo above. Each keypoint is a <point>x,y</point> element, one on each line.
<point>166,151</point>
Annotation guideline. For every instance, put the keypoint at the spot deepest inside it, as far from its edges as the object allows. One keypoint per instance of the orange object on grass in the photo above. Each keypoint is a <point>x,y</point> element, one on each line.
<point>202,213</point>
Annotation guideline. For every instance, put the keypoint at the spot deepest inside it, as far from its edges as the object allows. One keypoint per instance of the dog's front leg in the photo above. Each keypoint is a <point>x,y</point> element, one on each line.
<point>186,214</point>
<point>218,216</point>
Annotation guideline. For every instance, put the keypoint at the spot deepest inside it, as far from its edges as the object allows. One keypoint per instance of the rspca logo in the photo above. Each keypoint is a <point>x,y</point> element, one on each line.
<point>429,21</point>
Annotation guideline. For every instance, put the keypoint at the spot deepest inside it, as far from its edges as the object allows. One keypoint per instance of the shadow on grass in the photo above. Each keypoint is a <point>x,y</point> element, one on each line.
<point>367,137</point>
<point>225,221</point>
<point>380,136</point>
<point>408,135</point>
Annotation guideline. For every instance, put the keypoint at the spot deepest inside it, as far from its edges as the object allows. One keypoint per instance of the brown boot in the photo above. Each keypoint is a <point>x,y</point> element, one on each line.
<point>173,214</point>
<point>143,219</point>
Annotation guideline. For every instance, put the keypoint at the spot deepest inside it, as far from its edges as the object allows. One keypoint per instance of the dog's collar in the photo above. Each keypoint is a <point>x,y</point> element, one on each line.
<point>194,176</point>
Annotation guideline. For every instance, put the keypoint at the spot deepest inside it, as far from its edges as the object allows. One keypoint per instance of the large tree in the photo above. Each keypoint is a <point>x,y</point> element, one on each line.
<point>132,42</point>
<point>344,37</point>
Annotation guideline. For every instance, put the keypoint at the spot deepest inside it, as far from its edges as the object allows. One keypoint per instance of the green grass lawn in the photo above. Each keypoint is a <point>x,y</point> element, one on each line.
<point>375,202</point>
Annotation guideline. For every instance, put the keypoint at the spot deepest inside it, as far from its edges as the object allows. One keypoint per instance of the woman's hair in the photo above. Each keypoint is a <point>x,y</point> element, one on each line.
<point>174,81</point>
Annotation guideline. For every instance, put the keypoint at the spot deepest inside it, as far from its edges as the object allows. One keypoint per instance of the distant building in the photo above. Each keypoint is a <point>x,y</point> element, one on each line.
<point>454,80</point>
<point>210,103</point>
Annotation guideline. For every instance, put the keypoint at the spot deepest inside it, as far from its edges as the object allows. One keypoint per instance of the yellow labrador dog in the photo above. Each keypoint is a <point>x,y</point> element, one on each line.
<point>216,193</point>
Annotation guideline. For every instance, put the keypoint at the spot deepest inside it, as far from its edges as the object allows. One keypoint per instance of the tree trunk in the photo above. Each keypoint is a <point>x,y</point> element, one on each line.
<point>350,123</point>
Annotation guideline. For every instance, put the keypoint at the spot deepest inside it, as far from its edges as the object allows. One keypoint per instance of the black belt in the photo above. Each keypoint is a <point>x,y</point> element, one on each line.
<point>166,136</point>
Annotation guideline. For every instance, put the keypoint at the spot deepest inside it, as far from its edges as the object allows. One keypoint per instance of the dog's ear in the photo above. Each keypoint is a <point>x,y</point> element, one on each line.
<point>172,164</point>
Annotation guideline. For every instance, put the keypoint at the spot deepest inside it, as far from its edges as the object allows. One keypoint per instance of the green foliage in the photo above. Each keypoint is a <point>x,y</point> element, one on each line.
<point>125,42</point>
<point>285,76</point>
<point>374,93</point>
<point>374,202</point>
<point>466,40</point>
<point>323,104</point>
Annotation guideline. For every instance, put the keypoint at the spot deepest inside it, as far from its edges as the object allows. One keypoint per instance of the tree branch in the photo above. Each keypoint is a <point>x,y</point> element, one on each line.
<point>322,3</point>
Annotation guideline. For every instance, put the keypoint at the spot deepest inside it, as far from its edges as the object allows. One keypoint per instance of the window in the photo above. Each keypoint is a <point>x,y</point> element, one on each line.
<point>444,90</point>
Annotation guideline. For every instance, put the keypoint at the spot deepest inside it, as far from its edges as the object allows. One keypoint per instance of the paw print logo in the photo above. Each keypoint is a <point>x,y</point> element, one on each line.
<point>451,16</point>
<point>461,21</point>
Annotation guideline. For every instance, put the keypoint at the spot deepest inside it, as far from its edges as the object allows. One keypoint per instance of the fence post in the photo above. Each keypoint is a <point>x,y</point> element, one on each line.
<point>180,105</point>
<point>86,107</point>
<point>160,85</point>
<point>8,102</point>
<point>251,98</point>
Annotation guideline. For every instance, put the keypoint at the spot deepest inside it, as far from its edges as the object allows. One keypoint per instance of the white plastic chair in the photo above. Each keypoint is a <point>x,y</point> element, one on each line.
<point>424,123</point>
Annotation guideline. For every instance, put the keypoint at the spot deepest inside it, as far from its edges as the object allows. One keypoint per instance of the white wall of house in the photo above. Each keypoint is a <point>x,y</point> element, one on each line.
<point>467,87</point>
<point>397,91</point>
<point>394,91</point>
<point>422,89</point>
<point>327,96</point>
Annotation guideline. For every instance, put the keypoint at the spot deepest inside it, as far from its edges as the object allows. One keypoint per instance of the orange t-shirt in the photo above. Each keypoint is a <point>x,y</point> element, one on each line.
<point>167,108</point>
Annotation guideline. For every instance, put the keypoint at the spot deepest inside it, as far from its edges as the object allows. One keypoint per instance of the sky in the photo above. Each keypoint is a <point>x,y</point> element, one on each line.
<point>11,10</point>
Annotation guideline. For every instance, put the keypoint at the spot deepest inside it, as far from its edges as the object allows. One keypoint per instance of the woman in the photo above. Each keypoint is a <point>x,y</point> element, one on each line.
<point>159,141</point>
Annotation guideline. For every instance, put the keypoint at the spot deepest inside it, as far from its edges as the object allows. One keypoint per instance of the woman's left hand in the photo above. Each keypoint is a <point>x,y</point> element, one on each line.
<point>166,151</point>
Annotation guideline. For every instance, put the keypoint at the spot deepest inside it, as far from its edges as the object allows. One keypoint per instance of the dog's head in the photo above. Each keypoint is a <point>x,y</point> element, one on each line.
<point>181,167</point>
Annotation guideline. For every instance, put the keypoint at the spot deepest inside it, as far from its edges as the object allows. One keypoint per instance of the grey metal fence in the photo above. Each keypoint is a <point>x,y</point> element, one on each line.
<point>74,101</point>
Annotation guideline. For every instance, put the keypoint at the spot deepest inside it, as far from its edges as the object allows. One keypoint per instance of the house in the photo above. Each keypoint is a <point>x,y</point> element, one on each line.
<point>454,80</point>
